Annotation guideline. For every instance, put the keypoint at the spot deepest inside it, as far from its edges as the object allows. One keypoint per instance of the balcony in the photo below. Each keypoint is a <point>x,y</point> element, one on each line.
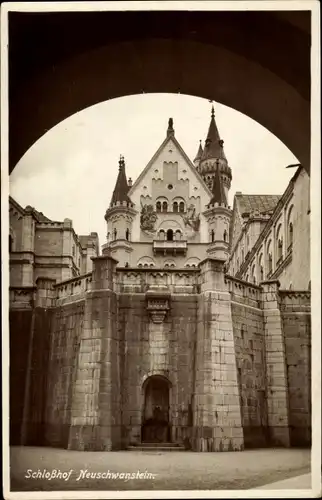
<point>167,247</point>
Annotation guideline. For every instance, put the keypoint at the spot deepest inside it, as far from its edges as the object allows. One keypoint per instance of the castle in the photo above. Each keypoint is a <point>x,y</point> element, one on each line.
<point>192,327</point>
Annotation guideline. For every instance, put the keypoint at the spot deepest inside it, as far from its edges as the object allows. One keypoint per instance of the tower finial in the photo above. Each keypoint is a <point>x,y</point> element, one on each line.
<point>121,162</point>
<point>170,130</point>
<point>212,108</point>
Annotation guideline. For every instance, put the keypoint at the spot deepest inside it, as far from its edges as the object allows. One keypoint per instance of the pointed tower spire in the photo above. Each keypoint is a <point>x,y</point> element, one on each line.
<point>199,153</point>
<point>218,192</point>
<point>121,186</point>
<point>213,145</point>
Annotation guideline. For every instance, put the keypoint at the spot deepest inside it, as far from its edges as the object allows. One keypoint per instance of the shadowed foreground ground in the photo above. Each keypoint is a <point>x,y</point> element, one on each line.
<point>169,470</point>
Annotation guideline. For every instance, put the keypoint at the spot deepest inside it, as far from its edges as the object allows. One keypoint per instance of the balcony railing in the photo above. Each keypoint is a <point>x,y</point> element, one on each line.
<point>173,247</point>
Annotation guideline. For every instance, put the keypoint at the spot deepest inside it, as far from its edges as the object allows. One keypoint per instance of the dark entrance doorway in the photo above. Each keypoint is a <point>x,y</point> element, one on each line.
<point>155,424</point>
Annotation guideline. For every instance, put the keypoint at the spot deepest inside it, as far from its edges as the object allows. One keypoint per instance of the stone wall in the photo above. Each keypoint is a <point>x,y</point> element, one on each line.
<point>248,327</point>
<point>66,328</point>
<point>236,358</point>
<point>296,319</point>
<point>20,328</point>
<point>157,348</point>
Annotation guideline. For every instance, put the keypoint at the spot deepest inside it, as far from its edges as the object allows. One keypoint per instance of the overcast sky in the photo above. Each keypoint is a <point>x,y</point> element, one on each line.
<point>71,171</point>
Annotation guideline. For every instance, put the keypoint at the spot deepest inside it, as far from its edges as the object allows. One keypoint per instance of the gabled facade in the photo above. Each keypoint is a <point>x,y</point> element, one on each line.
<point>172,215</point>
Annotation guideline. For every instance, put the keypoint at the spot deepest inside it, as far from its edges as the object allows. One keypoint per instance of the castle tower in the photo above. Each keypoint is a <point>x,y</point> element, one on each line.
<point>119,217</point>
<point>218,215</point>
<point>213,156</point>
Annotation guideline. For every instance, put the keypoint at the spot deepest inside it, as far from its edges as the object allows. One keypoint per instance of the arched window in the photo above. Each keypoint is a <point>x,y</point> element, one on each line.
<point>140,265</point>
<point>247,243</point>
<point>10,243</point>
<point>279,243</point>
<point>127,234</point>
<point>242,255</point>
<point>212,236</point>
<point>170,235</point>
<point>225,235</point>
<point>158,206</point>
<point>161,235</point>
<point>247,277</point>
<point>279,249</point>
<point>178,235</point>
<point>261,268</point>
<point>290,228</point>
<point>269,257</point>
<point>181,206</point>
<point>175,206</point>
<point>290,234</point>
<point>253,275</point>
<point>115,233</point>
<point>164,206</point>
<point>108,236</point>
<point>309,286</point>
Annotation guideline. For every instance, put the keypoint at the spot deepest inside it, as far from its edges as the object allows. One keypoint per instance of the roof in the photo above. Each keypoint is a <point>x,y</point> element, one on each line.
<point>214,146</point>
<point>264,203</point>
<point>199,153</point>
<point>218,192</point>
<point>40,216</point>
<point>121,186</point>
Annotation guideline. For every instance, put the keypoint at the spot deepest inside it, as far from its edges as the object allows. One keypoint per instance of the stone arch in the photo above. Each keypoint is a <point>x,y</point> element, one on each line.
<point>156,401</point>
<point>146,60</point>
<point>146,261</point>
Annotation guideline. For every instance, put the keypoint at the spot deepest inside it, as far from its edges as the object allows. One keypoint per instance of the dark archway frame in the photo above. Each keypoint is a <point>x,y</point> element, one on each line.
<point>230,57</point>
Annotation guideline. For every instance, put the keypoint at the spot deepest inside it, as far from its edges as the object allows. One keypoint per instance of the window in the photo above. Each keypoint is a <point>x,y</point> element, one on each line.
<point>73,250</point>
<point>178,235</point>
<point>225,235</point>
<point>170,186</point>
<point>253,275</point>
<point>79,262</point>
<point>164,206</point>
<point>175,206</point>
<point>290,234</point>
<point>242,255</point>
<point>279,249</point>
<point>212,236</point>
<point>127,234</point>
<point>158,206</point>
<point>161,235</point>
<point>115,234</point>
<point>108,236</point>
<point>170,235</point>
<point>181,206</point>
<point>262,273</point>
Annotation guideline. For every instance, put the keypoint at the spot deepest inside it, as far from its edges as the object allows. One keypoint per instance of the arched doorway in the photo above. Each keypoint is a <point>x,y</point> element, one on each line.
<point>155,418</point>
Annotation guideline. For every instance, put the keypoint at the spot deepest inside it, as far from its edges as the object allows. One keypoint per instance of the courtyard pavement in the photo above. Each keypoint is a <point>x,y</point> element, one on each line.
<point>150,470</point>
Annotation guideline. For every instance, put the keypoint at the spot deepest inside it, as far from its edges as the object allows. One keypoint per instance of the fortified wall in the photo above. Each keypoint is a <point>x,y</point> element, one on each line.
<point>226,363</point>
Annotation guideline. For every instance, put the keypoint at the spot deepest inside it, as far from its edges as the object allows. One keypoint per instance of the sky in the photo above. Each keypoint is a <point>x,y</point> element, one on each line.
<point>71,171</point>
